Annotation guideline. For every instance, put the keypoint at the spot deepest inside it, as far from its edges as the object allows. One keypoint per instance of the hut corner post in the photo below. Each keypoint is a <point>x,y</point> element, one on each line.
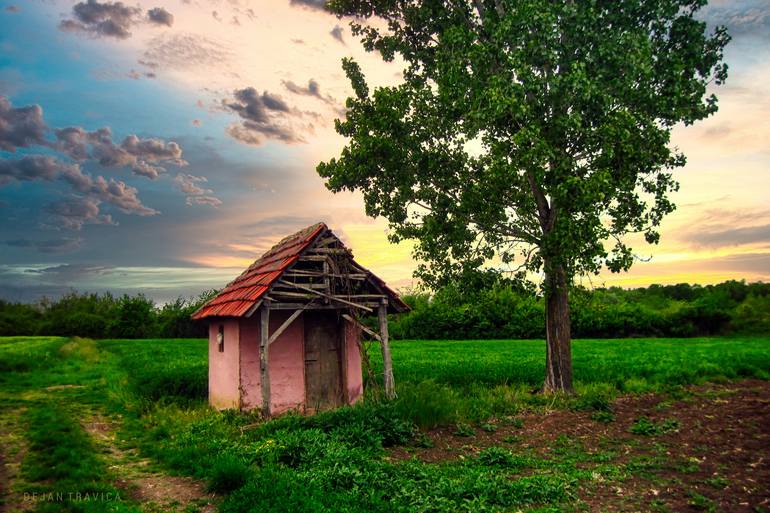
<point>264,347</point>
<point>387,363</point>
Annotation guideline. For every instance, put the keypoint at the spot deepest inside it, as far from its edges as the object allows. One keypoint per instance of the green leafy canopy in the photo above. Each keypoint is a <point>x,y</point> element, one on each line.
<point>529,131</point>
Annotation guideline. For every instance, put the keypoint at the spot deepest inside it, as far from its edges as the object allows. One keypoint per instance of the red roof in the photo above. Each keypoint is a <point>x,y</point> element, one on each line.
<point>245,292</point>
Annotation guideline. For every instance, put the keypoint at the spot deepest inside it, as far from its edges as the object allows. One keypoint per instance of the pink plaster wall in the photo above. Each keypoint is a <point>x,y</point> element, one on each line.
<point>251,392</point>
<point>234,375</point>
<point>224,367</point>
<point>286,364</point>
<point>354,385</point>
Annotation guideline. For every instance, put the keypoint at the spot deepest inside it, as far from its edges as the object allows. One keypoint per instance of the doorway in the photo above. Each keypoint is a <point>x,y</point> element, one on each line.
<point>323,359</point>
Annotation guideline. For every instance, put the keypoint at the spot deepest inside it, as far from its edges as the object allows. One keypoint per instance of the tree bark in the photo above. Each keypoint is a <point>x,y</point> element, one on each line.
<point>558,361</point>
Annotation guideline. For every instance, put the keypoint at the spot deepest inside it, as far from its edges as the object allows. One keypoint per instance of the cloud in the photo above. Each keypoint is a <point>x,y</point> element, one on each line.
<point>312,89</point>
<point>160,16</point>
<point>111,19</point>
<point>188,184</point>
<point>21,127</point>
<point>185,51</point>
<point>319,5</point>
<point>63,245</point>
<point>72,213</point>
<point>66,273</point>
<point>337,33</point>
<point>106,19</point>
<point>148,64</point>
<point>196,195</point>
<point>730,237</point>
<point>210,201</point>
<point>13,9</point>
<point>76,211</point>
<point>35,168</point>
<point>746,18</point>
<point>142,155</point>
<point>264,116</point>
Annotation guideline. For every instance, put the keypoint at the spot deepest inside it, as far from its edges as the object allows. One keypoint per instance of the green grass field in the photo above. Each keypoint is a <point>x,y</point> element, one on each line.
<point>151,395</point>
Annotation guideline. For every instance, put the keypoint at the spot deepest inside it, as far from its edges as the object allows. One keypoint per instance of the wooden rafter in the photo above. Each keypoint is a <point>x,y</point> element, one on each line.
<point>329,296</point>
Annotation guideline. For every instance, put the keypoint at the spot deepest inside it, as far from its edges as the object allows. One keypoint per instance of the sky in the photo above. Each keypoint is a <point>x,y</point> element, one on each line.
<point>161,146</point>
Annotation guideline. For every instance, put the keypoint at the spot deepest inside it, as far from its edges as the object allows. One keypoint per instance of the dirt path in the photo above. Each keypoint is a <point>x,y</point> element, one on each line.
<point>715,454</point>
<point>154,490</point>
<point>12,451</point>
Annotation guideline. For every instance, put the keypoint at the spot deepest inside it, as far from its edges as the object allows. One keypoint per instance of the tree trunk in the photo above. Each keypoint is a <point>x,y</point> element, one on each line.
<point>558,360</point>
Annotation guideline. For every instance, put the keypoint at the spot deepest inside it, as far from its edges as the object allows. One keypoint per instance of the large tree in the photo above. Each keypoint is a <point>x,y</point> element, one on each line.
<point>532,132</point>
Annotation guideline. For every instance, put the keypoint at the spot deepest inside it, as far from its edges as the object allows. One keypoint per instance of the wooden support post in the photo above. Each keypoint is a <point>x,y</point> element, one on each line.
<point>387,363</point>
<point>263,357</point>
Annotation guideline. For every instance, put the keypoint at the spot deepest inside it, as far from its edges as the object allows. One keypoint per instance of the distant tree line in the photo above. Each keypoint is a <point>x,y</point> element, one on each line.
<point>499,308</point>
<point>483,307</point>
<point>104,316</point>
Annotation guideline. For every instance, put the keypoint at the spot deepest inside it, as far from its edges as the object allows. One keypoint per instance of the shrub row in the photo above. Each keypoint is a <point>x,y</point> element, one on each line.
<point>507,311</point>
<point>103,316</point>
<point>501,309</point>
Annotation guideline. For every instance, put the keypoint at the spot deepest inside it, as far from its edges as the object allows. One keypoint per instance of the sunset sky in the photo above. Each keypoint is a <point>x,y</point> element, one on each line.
<point>161,146</point>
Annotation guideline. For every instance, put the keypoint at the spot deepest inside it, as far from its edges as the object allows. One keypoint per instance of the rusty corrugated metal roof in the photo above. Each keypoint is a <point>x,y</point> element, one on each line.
<point>241,294</point>
<point>239,297</point>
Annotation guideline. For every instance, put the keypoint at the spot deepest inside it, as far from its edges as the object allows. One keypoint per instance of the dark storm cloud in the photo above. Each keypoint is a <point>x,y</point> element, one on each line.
<point>160,16</point>
<point>264,116</point>
<point>143,156</point>
<point>337,32</point>
<point>319,5</point>
<point>184,51</point>
<point>62,245</point>
<point>111,19</point>
<point>21,127</point>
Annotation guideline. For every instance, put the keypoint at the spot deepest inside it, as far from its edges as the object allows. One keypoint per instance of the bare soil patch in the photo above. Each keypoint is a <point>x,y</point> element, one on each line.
<point>139,482</point>
<point>717,460</point>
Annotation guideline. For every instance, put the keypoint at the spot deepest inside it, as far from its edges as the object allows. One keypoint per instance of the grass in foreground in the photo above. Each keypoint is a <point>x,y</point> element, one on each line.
<point>338,461</point>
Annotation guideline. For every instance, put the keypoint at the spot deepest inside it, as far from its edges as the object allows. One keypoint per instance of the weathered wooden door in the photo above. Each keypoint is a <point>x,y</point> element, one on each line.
<point>323,358</point>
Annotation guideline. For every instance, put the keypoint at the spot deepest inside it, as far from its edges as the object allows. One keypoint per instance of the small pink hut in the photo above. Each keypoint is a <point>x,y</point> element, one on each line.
<point>285,334</point>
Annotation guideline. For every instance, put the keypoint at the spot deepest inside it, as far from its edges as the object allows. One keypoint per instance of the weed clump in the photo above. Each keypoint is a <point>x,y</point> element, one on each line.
<point>228,473</point>
<point>646,427</point>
